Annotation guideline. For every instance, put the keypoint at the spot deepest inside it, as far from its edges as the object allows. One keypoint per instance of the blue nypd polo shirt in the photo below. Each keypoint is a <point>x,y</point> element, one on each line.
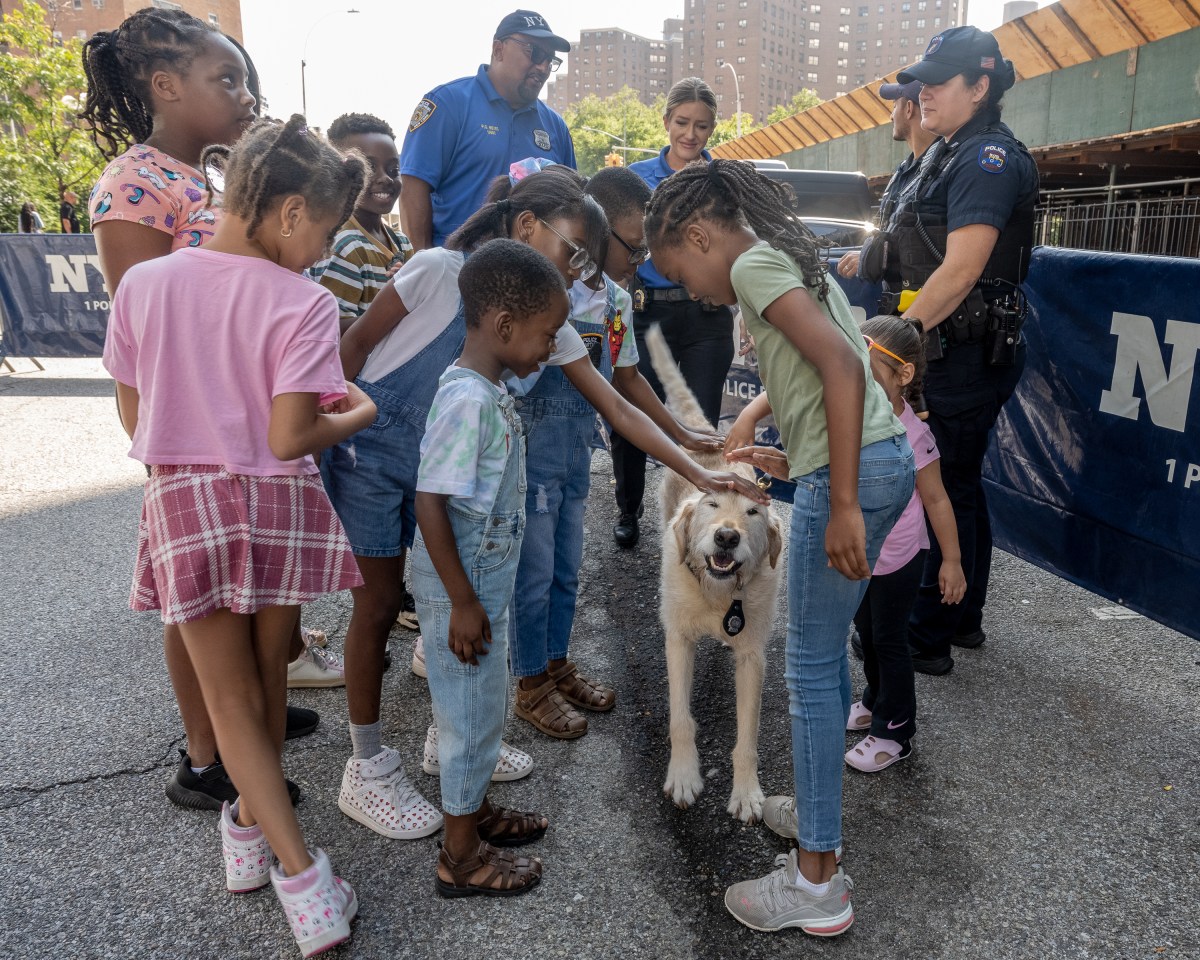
<point>463,135</point>
<point>654,171</point>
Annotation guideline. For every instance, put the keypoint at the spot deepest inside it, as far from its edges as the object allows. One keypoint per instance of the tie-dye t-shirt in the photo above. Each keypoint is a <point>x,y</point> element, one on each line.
<point>146,186</point>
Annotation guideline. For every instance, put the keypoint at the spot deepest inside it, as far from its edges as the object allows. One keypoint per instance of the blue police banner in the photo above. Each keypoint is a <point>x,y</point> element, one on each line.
<point>1094,473</point>
<point>52,297</point>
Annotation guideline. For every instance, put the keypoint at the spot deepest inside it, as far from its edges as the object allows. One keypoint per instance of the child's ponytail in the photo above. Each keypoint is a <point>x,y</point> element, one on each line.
<point>733,193</point>
<point>905,339</point>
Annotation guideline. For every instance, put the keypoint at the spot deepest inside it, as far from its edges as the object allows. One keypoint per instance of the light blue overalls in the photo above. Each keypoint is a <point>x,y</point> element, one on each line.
<point>559,428</point>
<point>469,702</point>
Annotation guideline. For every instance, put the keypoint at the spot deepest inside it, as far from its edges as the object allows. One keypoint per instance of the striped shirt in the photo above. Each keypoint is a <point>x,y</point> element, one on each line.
<point>357,270</point>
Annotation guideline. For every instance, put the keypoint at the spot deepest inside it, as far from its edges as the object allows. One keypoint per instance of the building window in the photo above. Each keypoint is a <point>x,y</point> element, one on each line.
<point>77,4</point>
<point>98,4</point>
<point>843,45</point>
<point>812,78</point>
<point>720,44</point>
<point>814,43</point>
<point>814,61</point>
<point>214,20</point>
<point>720,24</point>
<point>742,23</point>
<point>841,80</point>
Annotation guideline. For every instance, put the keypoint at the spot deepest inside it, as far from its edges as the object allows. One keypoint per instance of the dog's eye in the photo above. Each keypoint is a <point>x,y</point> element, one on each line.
<point>752,512</point>
<point>711,503</point>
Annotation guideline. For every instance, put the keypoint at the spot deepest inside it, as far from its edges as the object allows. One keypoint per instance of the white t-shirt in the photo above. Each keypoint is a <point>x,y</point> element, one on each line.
<point>466,443</point>
<point>428,287</point>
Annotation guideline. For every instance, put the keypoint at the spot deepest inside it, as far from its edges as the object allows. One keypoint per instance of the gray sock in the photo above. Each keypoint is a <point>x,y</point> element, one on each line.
<point>367,739</point>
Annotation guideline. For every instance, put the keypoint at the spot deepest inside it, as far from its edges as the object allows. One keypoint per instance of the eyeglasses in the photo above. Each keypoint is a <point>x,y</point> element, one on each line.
<point>579,257</point>
<point>637,255</point>
<point>537,56</point>
<point>872,345</point>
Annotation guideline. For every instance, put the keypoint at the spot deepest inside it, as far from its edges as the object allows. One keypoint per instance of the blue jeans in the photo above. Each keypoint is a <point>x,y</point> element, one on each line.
<point>821,604</point>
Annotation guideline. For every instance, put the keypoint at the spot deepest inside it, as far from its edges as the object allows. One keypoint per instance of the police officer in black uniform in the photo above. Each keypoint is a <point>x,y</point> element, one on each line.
<point>964,235</point>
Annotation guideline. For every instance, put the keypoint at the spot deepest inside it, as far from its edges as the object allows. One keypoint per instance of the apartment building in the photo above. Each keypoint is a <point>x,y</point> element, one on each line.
<point>82,18</point>
<point>605,60</point>
<point>774,47</point>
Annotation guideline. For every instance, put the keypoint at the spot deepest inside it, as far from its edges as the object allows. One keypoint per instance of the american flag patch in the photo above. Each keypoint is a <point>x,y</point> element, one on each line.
<point>987,63</point>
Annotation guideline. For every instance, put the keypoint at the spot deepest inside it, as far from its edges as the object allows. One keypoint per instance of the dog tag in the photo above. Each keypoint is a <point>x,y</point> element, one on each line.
<point>734,621</point>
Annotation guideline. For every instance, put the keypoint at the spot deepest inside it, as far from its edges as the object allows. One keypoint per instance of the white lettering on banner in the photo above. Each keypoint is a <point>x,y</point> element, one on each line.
<point>741,390</point>
<point>1138,351</point>
<point>69,274</point>
<point>1191,476</point>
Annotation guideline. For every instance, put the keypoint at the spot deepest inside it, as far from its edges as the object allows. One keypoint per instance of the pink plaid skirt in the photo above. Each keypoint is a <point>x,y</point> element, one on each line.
<point>210,540</point>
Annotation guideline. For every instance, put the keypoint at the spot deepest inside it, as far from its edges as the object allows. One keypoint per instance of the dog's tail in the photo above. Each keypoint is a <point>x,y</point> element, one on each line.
<point>680,399</point>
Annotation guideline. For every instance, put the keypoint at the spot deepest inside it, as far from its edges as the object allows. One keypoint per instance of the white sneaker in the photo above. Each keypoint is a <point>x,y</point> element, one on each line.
<point>316,667</point>
<point>512,764</point>
<point>321,910</point>
<point>378,794</point>
<point>248,859</point>
<point>418,660</point>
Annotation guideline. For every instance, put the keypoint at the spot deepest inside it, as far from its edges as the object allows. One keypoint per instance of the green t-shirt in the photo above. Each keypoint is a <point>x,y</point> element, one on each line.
<point>761,276</point>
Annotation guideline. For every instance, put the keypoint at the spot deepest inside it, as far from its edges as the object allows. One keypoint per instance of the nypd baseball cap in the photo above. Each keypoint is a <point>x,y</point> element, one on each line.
<point>896,91</point>
<point>530,24</point>
<point>956,51</point>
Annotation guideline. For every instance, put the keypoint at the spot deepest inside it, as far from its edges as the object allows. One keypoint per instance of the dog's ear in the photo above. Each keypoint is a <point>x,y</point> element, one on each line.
<point>774,541</point>
<point>680,526</point>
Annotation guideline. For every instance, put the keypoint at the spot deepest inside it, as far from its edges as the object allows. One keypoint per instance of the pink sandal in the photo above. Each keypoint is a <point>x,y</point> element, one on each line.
<point>860,718</point>
<point>875,754</point>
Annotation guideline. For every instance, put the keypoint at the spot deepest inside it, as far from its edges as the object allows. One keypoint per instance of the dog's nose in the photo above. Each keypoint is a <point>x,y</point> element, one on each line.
<point>727,538</point>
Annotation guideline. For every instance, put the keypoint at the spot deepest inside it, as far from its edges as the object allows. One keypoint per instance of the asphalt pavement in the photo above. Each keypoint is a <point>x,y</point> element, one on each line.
<point>1050,810</point>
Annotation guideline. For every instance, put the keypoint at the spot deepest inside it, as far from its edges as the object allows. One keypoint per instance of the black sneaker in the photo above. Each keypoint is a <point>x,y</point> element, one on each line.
<point>300,722</point>
<point>931,664</point>
<point>969,641</point>
<point>625,530</point>
<point>210,788</point>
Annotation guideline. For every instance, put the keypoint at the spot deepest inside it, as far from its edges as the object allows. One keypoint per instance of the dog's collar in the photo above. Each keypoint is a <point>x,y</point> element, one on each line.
<point>735,620</point>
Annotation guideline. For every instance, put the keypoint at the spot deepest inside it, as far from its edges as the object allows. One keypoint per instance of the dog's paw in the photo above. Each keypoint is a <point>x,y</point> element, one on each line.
<point>746,804</point>
<point>684,784</point>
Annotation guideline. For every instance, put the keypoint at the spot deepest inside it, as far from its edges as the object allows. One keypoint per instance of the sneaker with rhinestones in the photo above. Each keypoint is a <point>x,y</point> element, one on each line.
<point>418,658</point>
<point>512,764</point>
<point>776,902</point>
<point>248,856</point>
<point>378,794</point>
<point>319,906</point>
<point>316,667</point>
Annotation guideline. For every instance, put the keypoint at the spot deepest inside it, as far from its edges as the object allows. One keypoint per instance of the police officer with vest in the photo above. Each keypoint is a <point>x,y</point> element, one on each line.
<point>963,236</point>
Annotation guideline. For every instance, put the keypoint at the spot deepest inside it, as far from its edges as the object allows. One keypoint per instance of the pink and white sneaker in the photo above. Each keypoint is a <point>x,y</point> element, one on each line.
<point>248,856</point>
<point>860,718</point>
<point>319,906</point>
<point>877,753</point>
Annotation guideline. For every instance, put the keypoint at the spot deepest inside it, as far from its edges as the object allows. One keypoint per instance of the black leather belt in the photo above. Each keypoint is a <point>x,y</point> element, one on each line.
<point>666,294</point>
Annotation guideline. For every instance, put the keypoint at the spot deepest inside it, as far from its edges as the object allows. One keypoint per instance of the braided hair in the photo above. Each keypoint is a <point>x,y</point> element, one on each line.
<point>273,160</point>
<point>553,193</point>
<point>734,194</point>
<point>119,64</point>
<point>904,338</point>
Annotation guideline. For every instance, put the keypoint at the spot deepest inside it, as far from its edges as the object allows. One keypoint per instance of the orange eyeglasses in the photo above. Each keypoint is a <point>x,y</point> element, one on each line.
<point>872,345</point>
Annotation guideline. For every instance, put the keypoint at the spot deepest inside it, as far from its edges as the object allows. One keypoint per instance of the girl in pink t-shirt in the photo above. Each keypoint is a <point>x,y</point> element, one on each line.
<point>229,379</point>
<point>888,707</point>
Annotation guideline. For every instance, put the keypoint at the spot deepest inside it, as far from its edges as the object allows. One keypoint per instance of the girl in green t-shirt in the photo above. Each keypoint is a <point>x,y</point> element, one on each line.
<point>728,234</point>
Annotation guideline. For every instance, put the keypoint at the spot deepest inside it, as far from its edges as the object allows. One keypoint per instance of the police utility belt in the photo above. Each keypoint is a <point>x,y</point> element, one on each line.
<point>643,296</point>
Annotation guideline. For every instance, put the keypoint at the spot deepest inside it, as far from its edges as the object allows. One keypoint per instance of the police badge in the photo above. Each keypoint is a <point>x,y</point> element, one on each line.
<point>542,139</point>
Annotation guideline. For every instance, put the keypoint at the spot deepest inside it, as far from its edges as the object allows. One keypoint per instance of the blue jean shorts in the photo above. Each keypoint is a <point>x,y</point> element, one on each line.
<point>371,479</point>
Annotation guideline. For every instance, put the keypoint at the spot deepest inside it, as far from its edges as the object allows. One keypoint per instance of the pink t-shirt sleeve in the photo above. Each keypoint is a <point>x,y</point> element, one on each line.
<point>920,437</point>
<point>310,362</point>
<point>154,190</point>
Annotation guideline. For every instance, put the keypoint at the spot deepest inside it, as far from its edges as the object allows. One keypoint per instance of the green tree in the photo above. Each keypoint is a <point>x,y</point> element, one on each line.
<point>44,149</point>
<point>622,115</point>
<point>727,129</point>
<point>804,100</point>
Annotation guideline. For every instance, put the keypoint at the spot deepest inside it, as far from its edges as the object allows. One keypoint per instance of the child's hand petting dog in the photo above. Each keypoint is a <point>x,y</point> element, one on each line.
<point>700,442</point>
<point>769,460</point>
<point>714,481</point>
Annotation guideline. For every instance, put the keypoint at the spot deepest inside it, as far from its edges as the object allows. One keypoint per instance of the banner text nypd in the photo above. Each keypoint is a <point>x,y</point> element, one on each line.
<point>70,274</point>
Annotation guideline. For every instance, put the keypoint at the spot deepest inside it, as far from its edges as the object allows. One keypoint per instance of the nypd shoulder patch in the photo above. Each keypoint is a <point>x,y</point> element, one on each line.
<point>993,158</point>
<point>423,112</point>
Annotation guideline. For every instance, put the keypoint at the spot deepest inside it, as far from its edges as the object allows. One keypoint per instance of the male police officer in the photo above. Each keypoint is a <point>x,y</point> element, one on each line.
<point>964,236</point>
<point>466,132</point>
<point>878,260</point>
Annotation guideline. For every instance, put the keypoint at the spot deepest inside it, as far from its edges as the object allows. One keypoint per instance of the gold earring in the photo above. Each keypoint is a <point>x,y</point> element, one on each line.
<point>285,235</point>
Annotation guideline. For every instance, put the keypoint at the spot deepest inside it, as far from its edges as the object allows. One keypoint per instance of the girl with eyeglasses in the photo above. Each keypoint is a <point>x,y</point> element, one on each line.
<point>699,333</point>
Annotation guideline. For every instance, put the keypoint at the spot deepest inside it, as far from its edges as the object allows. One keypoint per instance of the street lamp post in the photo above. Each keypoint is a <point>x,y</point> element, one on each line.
<point>304,55</point>
<point>624,147</point>
<point>737,92</point>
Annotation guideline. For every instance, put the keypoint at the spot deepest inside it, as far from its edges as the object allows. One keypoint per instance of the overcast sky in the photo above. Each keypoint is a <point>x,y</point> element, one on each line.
<point>383,59</point>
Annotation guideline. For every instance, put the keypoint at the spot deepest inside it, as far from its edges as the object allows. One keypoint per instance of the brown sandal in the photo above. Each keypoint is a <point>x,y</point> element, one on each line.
<point>597,697</point>
<point>546,709</point>
<point>508,875</point>
<point>510,828</point>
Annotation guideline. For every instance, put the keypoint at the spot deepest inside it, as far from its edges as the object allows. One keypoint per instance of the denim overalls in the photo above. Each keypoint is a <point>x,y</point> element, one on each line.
<point>469,702</point>
<point>559,426</point>
<point>371,477</point>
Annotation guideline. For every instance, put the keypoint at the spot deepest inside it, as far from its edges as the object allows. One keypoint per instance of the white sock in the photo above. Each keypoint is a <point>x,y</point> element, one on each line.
<point>199,770</point>
<point>367,739</point>
<point>816,889</point>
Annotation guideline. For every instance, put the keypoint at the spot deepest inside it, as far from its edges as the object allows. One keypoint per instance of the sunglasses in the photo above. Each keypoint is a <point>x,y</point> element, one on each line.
<point>872,345</point>
<point>579,257</point>
<point>537,56</point>
<point>637,255</point>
